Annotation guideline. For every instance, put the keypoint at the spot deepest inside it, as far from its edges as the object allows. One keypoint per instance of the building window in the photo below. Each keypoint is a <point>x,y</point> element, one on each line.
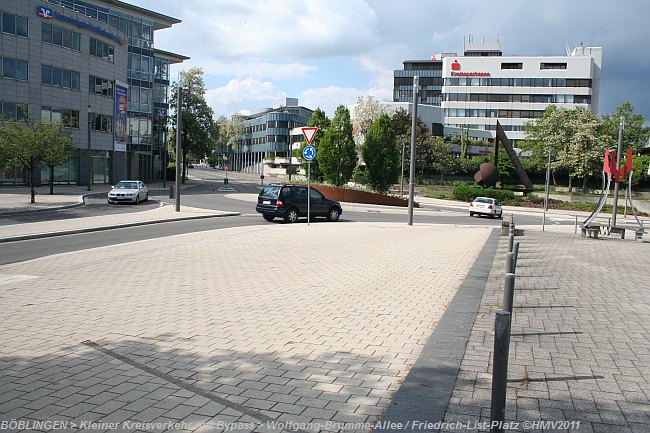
<point>552,66</point>
<point>54,76</point>
<point>14,24</point>
<point>102,50</point>
<point>13,111</point>
<point>60,36</point>
<point>14,68</point>
<point>69,118</point>
<point>101,122</point>
<point>512,66</point>
<point>100,86</point>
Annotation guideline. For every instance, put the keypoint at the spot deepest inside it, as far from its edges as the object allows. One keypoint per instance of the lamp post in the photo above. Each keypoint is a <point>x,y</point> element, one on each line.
<point>90,159</point>
<point>401,175</point>
<point>621,127</point>
<point>414,117</point>
<point>179,154</point>
<point>546,187</point>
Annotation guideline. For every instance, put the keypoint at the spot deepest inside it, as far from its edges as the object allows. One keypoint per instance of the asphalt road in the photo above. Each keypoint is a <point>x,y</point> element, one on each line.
<point>211,193</point>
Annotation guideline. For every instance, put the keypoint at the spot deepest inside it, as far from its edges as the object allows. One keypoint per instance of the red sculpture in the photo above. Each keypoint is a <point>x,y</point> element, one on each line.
<point>609,165</point>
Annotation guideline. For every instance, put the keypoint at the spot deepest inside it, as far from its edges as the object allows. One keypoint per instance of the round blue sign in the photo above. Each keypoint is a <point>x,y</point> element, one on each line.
<point>309,152</point>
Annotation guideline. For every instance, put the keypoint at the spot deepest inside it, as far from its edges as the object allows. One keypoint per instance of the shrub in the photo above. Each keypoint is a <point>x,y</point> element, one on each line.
<point>466,192</point>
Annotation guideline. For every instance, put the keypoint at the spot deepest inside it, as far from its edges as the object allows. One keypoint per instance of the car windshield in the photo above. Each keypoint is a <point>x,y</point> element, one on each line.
<point>483,200</point>
<point>126,185</point>
<point>272,191</point>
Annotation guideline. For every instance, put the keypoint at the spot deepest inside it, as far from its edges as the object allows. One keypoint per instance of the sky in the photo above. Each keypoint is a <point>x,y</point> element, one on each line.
<point>330,52</point>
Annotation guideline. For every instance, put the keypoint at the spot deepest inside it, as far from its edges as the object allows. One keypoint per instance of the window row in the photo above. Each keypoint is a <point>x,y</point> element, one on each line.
<point>102,50</point>
<point>139,99</point>
<point>15,68</point>
<point>54,76</point>
<point>69,118</point>
<point>255,128</point>
<point>100,86</point>
<point>495,97</point>
<point>140,67</point>
<point>101,122</point>
<point>518,82</point>
<point>479,112</point>
<point>14,24</point>
<point>61,36</point>
<point>13,111</point>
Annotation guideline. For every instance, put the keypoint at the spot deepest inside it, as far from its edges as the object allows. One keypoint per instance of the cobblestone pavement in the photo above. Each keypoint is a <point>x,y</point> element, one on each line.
<point>289,323</point>
<point>579,351</point>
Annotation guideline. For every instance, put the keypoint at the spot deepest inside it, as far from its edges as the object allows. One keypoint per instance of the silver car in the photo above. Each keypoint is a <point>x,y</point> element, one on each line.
<point>131,191</point>
<point>485,206</point>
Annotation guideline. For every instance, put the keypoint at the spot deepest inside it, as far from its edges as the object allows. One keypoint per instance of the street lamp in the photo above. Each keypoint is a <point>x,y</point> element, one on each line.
<point>414,117</point>
<point>179,154</point>
<point>546,187</point>
<point>90,159</point>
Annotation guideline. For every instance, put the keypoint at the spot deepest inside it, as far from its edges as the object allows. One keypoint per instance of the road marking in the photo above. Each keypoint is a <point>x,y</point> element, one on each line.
<point>10,279</point>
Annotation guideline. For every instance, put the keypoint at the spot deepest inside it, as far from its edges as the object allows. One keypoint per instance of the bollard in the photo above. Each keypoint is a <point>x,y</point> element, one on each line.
<point>509,292</point>
<point>500,370</point>
<point>171,191</point>
<point>510,262</point>
<point>515,249</point>
<point>511,239</point>
<point>575,228</point>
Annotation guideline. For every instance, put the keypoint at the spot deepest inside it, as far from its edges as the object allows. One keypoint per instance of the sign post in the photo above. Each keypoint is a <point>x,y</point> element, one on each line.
<point>309,153</point>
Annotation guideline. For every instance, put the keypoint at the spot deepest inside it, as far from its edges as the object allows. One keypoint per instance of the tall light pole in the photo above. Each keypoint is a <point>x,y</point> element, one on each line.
<point>414,117</point>
<point>546,187</point>
<point>621,127</point>
<point>90,159</point>
<point>179,154</point>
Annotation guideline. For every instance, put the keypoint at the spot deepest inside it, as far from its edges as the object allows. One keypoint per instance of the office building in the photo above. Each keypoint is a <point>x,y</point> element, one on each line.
<point>93,66</point>
<point>483,85</point>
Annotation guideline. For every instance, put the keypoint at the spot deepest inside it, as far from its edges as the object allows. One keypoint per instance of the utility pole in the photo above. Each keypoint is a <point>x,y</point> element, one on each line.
<point>179,153</point>
<point>414,117</point>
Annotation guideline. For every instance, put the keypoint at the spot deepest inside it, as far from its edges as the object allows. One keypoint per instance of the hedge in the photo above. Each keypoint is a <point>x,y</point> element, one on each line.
<point>468,193</point>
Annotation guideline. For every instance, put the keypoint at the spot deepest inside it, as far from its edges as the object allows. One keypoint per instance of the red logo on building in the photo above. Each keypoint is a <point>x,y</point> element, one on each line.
<point>455,66</point>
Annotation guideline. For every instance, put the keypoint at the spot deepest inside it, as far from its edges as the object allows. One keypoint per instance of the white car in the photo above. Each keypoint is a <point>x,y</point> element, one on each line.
<point>133,191</point>
<point>486,206</point>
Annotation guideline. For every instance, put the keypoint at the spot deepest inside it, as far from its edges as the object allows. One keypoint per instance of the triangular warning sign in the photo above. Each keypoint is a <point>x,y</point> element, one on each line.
<point>309,133</point>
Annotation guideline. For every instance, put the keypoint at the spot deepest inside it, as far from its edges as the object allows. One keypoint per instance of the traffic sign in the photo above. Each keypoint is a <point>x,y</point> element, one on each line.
<point>309,133</point>
<point>309,152</point>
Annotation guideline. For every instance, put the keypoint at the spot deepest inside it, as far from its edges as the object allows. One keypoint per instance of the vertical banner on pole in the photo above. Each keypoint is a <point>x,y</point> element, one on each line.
<point>119,131</point>
<point>309,153</point>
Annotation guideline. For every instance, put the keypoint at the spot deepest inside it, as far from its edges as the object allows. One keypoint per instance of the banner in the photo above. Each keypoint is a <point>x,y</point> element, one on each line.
<point>119,134</point>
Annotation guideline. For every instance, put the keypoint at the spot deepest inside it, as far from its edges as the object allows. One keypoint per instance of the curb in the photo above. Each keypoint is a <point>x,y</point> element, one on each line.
<point>111,227</point>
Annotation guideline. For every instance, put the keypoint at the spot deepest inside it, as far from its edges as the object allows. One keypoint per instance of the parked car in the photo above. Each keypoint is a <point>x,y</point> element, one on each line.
<point>290,203</point>
<point>485,206</point>
<point>133,191</point>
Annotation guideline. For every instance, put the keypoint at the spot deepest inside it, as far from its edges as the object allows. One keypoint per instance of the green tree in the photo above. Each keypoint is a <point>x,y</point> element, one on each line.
<point>635,134</point>
<point>59,149</point>
<point>34,145</point>
<point>443,160</point>
<point>231,134</point>
<point>423,152</point>
<point>198,129</point>
<point>317,120</point>
<point>337,155</point>
<point>381,155</point>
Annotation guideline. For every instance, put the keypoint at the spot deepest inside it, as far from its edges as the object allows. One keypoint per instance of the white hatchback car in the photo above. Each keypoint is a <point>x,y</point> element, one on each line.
<point>486,206</point>
<point>133,191</point>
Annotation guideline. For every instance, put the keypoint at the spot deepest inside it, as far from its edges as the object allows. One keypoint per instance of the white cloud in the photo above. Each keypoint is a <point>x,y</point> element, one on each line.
<point>249,95</point>
<point>328,98</point>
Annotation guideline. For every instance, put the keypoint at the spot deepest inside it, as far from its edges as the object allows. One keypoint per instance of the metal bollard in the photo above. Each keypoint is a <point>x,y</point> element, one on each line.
<point>500,370</point>
<point>171,191</point>
<point>511,239</point>
<point>509,292</point>
<point>515,249</point>
<point>575,228</point>
<point>510,262</point>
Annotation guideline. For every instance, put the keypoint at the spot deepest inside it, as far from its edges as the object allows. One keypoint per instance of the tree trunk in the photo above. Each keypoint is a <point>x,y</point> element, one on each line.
<point>570,184</point>
<point>183,167</point>
<point>51,180</point>
<point>32,191</point>
<point>584,182</point>
<point>554,180</point>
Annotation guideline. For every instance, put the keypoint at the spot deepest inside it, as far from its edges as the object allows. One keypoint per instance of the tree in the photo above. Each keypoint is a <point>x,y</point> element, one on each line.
<point>318,120</point>
<point>402,125</point>
<point>231,133</point>
<point>635,134</point>
<point>198,129</point>
<point>34,145</point>
<point>337,155</point>
<point>443,160</point>
<point>367,110</point>
<point>381,155</point>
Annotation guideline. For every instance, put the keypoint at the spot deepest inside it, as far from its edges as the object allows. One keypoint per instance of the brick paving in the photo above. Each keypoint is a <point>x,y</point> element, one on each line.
<point>293,323</point>
<point>579,348</point>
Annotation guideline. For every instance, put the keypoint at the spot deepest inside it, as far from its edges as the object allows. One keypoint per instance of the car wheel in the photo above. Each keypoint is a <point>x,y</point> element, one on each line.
<point>137,199</point>
<point>146,196</point>
<point>291,216</point>
<point>471,214</point>
<point>333,214</point>
<point>501,215</point>
<point>268,217</point>
<point>110,202</point>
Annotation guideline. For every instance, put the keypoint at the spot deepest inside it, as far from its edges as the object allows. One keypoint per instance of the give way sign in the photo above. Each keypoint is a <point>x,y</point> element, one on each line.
<point>309,133</point>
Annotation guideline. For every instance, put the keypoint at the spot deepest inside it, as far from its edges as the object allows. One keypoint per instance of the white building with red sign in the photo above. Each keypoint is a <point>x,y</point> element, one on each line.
<point>483,85</point>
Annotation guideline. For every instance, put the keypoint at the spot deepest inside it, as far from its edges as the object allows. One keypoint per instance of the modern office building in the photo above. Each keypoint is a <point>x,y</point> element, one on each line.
<point>93,66</point>
<point>267,137</point>
<point>483,85</point>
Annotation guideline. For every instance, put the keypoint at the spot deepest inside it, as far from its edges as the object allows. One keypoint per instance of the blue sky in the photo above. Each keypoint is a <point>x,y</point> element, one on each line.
<point>330,52</point>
